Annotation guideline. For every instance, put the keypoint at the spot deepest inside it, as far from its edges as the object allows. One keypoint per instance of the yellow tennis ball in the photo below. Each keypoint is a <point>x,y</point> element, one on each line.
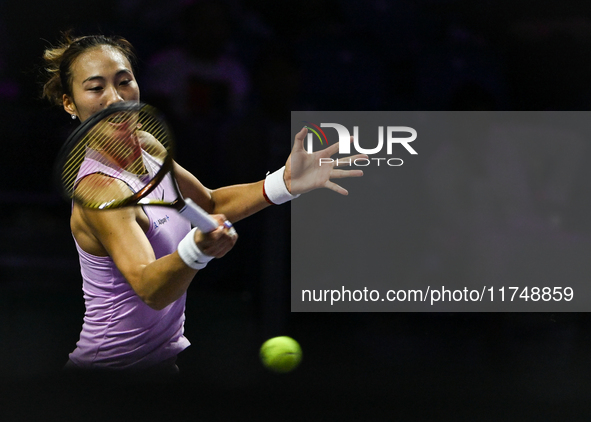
<point>281,354</point>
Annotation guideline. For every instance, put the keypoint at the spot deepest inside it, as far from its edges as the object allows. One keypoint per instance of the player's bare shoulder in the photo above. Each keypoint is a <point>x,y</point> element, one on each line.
<point>97,189</point>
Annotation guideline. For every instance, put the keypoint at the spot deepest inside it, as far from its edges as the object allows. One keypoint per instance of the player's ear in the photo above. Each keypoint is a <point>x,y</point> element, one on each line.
<point>69,105</point>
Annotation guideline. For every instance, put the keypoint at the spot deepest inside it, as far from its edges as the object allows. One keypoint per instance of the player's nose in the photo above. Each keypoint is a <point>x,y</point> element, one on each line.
<point>113,96</point>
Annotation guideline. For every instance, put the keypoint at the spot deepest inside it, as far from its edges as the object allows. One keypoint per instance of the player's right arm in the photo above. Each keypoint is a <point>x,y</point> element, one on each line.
<point>117,233</point>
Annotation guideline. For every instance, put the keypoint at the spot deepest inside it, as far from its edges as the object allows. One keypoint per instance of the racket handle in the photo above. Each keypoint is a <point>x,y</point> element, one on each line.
<point>198,216</point>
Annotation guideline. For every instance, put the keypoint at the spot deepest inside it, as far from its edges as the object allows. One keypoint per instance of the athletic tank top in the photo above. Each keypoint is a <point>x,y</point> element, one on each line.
<point>119,330</point>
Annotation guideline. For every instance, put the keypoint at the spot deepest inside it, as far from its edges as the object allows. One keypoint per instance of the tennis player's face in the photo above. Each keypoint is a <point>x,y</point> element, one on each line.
<point>101,76</point>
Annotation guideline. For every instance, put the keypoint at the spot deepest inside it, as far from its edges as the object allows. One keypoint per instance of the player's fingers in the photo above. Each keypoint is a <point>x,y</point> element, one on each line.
<point>224,223</point>
<point>337,188</point>
<point>332,149</point>
<point>225,233</point>
<point>229,229</point>
<point>348,161</point>
<point>298,144</point>
<point>231,233</point>
<point>220,243</point>
<point>340,174</point>
<point>207,240</point>
<point>220,218</point>
<point>223,245</point>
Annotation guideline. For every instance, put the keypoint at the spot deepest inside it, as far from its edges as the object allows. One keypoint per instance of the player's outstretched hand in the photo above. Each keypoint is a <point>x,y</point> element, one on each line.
<point>305,172</point>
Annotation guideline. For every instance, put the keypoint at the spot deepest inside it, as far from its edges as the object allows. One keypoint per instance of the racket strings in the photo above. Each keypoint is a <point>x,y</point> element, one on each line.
<point>96,140</point>
<point>118,141</point>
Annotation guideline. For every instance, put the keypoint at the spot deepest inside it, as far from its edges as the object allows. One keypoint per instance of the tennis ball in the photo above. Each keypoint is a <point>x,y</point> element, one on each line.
<point>281,354</point>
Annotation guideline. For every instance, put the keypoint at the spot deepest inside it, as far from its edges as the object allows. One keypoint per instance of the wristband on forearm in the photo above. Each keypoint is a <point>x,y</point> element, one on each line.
<point>274,189</point>
<point>190,252</point>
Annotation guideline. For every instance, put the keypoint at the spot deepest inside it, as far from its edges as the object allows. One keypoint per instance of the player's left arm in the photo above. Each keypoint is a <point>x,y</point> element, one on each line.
<point>303,173</point>
<point>237,201</point>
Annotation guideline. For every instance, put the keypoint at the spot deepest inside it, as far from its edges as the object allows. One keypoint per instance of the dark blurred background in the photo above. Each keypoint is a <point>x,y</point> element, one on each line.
<point>227,74</point>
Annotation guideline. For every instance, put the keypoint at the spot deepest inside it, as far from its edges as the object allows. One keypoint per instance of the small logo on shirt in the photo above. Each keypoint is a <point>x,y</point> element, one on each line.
<point>161,221</point>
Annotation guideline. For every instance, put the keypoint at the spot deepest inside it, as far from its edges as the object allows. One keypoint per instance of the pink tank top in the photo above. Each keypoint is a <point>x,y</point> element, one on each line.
<point>120,331</point>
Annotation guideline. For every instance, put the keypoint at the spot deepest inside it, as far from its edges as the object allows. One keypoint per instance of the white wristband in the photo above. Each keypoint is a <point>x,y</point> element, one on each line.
<point>274,189</point>
<point>191,254</point>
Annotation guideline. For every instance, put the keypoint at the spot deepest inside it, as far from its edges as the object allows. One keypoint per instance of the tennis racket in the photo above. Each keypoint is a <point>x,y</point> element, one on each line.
<point>126,138</point>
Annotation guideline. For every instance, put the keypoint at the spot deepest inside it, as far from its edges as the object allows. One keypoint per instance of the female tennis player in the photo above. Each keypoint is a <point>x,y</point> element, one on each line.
<point>137,262</point>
